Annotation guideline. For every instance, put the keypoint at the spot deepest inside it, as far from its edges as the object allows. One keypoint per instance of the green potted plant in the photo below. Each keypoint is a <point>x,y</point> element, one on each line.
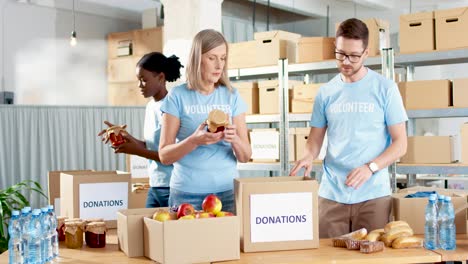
<point>11,199</point>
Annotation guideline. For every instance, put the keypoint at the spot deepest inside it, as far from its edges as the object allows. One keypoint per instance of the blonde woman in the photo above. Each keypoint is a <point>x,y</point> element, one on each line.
<point>204,162</point>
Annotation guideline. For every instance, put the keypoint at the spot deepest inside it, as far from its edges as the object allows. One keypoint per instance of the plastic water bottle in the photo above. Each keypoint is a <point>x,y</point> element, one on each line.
<point>447,232</point>
<point>34,238</point>
<point>45,239</point>
<point>440,201</point>
<point>53,233</point>
<point>430,227</point>
<point>15,244</point>
<point>25,219</point>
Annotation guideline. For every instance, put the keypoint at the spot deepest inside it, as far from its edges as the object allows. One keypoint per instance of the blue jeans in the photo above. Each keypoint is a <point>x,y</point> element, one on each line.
<point>178,197</point>
<point>157,197</point>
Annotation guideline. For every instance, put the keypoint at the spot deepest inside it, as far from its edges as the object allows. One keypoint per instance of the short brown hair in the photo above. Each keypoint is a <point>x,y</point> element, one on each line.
<point>354,28</point>
<point>203,42</point>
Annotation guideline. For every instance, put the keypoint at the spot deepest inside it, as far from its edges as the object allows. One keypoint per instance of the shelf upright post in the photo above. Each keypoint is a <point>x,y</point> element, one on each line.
<point>283,87</point>
<point>411,129</point>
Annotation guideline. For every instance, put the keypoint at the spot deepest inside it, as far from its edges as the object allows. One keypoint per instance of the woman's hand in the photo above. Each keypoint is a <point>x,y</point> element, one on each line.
<point>131,146</point>
<point>103,133</point>
<point>230,134</point>
<point>202,137</point>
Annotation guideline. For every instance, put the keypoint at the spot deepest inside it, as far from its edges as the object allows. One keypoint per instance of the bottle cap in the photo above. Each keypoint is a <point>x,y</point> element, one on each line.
<point>51,207</point>
<point>440,196</point>
<point>36,212</point>
<point>44,209</point>
<point>15,213</point>
<point>432,197</point>
<point>448,198</point>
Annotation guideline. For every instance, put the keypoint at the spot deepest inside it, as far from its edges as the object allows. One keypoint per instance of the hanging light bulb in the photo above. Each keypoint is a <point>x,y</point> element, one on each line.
<point>73,33</point>
<point>73,38</point>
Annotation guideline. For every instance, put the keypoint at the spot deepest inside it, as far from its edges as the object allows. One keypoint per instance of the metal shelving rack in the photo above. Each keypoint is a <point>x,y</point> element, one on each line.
<point>406,61</point>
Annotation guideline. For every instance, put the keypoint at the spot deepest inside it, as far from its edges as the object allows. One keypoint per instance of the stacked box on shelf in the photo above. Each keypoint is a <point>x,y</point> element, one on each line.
<point>464,143</point>
<point>303,97</point>
<point>379,34</point>
<point>450,26</point>
<point>249,92</point>
<point>269,95</point>
<point>417,32</point>
<point>311,49</point>
<point>274,45</point>
<point>265,144</point>
<point>460,92</point>
<point>242,55</point>
<point>436,94</point>
<point>429,150</point>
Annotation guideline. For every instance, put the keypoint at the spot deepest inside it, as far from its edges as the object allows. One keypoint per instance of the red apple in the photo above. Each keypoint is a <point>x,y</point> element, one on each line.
<point>212,204</point>
<point>223,214</point>
<point>185,209</point>
<point>161,216</point>
<point>204,215</point>
<point>187,217</point>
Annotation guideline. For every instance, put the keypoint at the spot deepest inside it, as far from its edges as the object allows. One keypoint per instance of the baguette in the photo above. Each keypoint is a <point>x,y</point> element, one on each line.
<point>392,234</point>
<point>394,224</point>
<point>407,242</point>
<point>356,235</point>
<point>375,235</point>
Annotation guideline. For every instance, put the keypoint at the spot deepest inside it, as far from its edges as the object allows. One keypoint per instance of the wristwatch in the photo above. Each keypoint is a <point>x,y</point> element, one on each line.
<point>373,167</point>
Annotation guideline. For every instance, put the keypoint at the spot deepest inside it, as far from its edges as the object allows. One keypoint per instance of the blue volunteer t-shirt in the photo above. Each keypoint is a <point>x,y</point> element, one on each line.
<point>159,173</point>
<point>357,116</point>
<point>208,168</point>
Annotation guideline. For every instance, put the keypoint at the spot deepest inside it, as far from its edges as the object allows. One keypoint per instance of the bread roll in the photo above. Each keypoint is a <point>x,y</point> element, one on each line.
<point>394,224</point>
<point>394,233</point>
<point>373,236</point>
<point>407,242</point>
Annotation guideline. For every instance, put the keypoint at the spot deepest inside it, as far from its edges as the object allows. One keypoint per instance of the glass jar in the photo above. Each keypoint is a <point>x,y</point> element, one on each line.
<point>87,221</point>
<point>61,227</point>
<point>95,235</point>
<point>74,234</point>
<point>114,134</point>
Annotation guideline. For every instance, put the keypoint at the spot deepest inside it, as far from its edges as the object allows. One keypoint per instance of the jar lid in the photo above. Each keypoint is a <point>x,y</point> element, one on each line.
<point>61,218</point>
<point>217,117</point>
<point>94,220</point>
<point>96,224</point>
<point>72,219</point>
<point>73,223</point>
<point>115,129</point>
<point>96,227</point>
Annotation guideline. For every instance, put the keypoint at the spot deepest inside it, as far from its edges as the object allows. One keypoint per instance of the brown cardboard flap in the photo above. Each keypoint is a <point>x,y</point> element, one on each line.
<point>451,13</point>
<point>130,230</point>
<point>276,34</point>
<point>417,17</point>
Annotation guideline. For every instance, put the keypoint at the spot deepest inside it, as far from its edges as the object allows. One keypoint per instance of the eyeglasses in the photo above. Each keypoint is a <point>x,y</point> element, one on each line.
<point>351,58</point>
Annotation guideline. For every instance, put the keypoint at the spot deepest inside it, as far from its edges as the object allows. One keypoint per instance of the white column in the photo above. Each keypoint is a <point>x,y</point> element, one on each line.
<point>183,19</point>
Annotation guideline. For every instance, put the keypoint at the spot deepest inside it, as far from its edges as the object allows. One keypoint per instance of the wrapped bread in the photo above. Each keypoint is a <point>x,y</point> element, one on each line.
<point>407,242</point>
<point>353,244</point>
<point>375,235</point>
<point>357,235</point>
<point>339,242</point>
<point>371,246</point>
<point>394,224</point>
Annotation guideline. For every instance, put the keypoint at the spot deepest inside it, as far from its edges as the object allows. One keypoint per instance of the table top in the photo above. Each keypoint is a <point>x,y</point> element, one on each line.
<point>325,254</point>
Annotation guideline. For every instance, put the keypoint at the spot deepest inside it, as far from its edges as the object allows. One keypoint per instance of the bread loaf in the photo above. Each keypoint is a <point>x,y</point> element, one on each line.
<point>394,224</point>
<point>375,235</point>
<point>357,235</point>
<point>407,242</point>
<point>394,233</point>
<point>371,247</point>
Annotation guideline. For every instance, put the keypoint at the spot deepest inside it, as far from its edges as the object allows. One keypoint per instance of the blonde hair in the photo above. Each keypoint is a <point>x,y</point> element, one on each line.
<point>203,42</point>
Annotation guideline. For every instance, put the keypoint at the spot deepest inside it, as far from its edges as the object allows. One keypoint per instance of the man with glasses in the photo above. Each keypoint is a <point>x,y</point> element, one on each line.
<point>363,115</point>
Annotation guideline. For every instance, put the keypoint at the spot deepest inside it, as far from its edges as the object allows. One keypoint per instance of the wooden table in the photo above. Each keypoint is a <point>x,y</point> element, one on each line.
<point>325,254</point>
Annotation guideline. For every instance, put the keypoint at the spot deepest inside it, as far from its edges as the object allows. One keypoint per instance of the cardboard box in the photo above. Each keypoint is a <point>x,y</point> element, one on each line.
<point>122,70</point>
<point>302,105</point>
<point>274,45</point>
<point>269,222</point>
<point>137,166</point>
<point>429,149</point>
<point>379,34</point>
<point>116,40</point>
<point>249,92</point>
<point>242,55</point>
<point>436,94</point>
<point>125,94</point>
<point>449,25</point>
<point>265,144</point>
<point>53,183</point>
<point>291,145</point>
<point>130,230</point>
<point>137,198</point>
<point>417,32</point>
<point>302,134</point>
<point>95,194</point>
<point>412,210</point>
<point>148,40</point>
<point>312,49</point>
<point>306,91</point>
<point>460,92</point>
<point>269,96</point>
<point>464,143</point>
<point>192,241</point>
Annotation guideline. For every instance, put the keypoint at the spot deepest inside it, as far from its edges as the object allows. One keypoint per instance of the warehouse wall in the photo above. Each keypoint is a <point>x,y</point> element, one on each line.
<point>40,67</point>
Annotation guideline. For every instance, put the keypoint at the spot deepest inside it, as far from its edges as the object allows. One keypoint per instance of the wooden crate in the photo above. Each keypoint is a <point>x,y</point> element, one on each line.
<point>148,40</point>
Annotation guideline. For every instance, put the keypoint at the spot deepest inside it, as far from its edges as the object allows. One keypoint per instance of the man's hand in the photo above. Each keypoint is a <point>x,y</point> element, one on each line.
<point>303,163</point>
<point>357,177</point>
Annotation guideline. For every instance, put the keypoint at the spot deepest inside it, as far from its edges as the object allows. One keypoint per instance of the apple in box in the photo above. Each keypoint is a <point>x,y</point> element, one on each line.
<point>212,204</point>
<point>184,210</point>
<point>204,215</point>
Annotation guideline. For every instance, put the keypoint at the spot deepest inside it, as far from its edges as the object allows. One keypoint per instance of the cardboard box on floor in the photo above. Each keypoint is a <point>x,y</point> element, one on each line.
<point>130,230</point>
<point>95,194</point>
<point>249,92</point>
<point>436,94</point>
<point>53,183</point>
<point>412,210</point>
<point>460,92</point>
<point>277,213</point>
<point>449,24</point>
<point>429,149</point>
<point>192,241</point>
<point>417,32</point>
<point>464,143</point>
